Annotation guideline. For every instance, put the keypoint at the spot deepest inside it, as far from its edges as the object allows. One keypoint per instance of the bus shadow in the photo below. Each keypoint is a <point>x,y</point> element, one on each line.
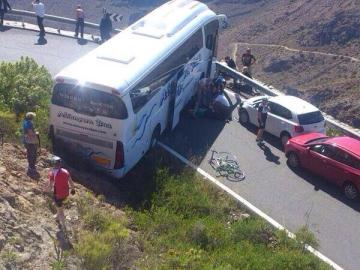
<point>327,187</point>
<point>193,137</point>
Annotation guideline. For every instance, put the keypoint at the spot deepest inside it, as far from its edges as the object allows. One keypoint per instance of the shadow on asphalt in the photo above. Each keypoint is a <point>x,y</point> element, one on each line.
<point>41,41</point>
<point>4,28</point>
<point>331,189</point>
<point>82,41</point>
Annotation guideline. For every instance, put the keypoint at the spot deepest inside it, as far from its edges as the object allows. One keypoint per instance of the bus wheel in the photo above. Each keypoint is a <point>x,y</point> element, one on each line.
<point>155,137</point>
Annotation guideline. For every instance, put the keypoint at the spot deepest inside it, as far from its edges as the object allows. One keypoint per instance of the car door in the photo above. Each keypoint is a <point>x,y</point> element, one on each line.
<point>252,110</point>
<point>278,119</point>
<point>339,166</point>
<point>317,159</point>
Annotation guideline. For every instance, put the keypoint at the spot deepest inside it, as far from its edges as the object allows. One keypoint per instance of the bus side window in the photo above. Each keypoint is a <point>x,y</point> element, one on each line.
<point>174,63</point>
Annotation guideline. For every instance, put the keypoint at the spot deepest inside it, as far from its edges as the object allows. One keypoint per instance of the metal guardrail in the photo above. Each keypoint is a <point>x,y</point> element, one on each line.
<point>268,90</point>
<point>25,13</point>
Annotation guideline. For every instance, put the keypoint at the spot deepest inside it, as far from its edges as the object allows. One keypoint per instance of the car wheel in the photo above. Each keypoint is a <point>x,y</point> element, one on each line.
<point>243,117</point>
<point>350,190</point>
<point>284,137</point>
<point>293,160</point>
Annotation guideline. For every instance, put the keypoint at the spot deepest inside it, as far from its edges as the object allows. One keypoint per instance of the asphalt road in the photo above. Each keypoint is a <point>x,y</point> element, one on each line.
<point>55,54</point>
<point>292,198</point>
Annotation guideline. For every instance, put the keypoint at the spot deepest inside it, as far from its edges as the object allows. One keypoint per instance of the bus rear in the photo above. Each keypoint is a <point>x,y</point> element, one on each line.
<point>86,124</point>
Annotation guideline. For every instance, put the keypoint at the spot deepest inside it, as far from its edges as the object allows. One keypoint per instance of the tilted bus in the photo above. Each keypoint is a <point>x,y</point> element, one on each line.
<point>111,105</point>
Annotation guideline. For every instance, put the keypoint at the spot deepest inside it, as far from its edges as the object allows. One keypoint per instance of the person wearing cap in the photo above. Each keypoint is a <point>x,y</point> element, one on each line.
<point>263,110</point>
<point>248,60</point>
<point>31,141</point>
<point>60,183</point>
<point>80,17</point>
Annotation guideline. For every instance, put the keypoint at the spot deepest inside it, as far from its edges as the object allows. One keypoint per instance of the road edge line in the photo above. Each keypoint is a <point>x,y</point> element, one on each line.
<point>248,205</point>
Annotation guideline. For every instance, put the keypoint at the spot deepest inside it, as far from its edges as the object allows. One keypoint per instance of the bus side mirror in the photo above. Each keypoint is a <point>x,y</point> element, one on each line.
<point>223,21</point>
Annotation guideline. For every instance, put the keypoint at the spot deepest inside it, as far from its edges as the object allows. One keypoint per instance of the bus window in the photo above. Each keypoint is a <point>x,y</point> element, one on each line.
<point>88,101</point>
<point>211,32</point>
<point>153,82</point>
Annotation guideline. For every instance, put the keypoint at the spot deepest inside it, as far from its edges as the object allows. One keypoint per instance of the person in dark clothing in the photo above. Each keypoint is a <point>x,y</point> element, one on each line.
<point>80,17</point>
<point>4,7</point>
<point>105,27</point>
<point>248,60</point>
<point>263,110</point>
<point>230,62</point>
<point>31,141</point>
<point>222,105</point>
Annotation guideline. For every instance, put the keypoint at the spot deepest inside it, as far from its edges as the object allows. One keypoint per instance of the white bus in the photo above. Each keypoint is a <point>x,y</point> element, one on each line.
<point>111,105</point>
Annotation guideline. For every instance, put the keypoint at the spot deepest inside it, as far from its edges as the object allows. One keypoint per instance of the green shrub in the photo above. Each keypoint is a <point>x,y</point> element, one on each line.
<point>9,127</point>
<point>101,244</point>
<point>24,86</point>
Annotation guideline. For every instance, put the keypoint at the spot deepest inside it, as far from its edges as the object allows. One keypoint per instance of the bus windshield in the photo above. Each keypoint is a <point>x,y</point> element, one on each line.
<point>88,101</point>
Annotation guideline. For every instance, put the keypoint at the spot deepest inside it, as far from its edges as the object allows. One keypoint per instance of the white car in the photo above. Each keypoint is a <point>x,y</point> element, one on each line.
<point>289,116</point>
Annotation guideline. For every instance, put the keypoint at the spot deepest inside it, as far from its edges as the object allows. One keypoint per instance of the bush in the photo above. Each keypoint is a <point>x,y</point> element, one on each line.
<point>24,86</point>
<point>102,243</point>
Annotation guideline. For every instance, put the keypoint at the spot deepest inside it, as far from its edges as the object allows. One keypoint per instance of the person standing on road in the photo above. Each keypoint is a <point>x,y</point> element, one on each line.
<point>263,110</point>
<point>31,141</point>
<point>105,27</point>
<point>248,60</point>
<point>39,9</point>
<point>80,17</point>
<point>60,183</point>
<point>4,7</point>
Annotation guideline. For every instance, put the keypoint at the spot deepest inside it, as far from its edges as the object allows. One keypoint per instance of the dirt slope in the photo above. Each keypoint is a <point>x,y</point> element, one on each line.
<point>29,236</point>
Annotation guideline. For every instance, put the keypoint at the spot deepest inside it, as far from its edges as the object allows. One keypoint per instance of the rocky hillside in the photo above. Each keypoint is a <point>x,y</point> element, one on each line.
<point>29,236</point>
<point>308,26</point>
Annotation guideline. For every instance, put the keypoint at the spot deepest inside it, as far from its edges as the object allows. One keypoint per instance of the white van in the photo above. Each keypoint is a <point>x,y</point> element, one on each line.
<point>110,106</point>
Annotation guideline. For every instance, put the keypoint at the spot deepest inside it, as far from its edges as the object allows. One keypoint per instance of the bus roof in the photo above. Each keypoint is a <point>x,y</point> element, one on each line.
<point>126,58</point>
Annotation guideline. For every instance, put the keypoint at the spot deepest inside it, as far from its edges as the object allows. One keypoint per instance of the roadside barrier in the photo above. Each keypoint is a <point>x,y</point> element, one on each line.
<point>19,14</point>
<point>270,91</point>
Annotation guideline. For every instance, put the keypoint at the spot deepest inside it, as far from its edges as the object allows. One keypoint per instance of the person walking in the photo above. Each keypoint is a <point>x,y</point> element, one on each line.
<point>80,17</point>
<point>4,7</point>
<point>105,27</point>
<point>39,9</point>
<point>248,60</point>
<point>60,183</point>
<point>263,110</point>
<point>31,141</point>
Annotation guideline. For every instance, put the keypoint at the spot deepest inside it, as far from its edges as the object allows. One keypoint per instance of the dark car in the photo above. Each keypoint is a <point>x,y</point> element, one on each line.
<point>337,159</point>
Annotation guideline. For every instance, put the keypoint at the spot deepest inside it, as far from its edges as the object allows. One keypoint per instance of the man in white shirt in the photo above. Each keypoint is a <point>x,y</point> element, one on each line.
<point>39,9</point>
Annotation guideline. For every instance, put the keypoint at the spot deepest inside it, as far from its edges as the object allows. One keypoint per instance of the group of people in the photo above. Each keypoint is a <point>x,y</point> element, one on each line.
<point>212,101</point>
<point>247,60</point>
<point>39,9</point>
<point>60,184</point>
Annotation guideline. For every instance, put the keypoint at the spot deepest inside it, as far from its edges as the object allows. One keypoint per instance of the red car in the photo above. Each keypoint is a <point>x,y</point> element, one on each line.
<point>337,159</point>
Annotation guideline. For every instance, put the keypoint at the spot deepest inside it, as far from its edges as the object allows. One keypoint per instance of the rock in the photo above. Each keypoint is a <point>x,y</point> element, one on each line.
<point>244,216</point>
<point>2,242</point>
<point>2,170</point>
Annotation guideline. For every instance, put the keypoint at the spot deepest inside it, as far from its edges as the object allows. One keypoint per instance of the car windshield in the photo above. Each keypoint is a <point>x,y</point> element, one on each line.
<point>89,101</point>
<point>318,140</point>
<point>310,118</point>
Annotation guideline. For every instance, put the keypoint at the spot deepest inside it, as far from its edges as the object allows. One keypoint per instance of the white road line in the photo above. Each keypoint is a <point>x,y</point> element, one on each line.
<point>247,204</point>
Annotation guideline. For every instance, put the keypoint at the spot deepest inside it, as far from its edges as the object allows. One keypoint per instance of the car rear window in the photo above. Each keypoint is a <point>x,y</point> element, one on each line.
<point>89,101</point>
<point>310,118</point>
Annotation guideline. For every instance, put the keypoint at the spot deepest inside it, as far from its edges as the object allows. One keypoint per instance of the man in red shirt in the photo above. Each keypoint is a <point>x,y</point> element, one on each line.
<point>59,182</point>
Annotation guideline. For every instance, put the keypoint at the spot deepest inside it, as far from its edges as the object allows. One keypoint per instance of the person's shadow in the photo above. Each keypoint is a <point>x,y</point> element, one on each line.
<point>4,28</point>
<point>41,41</point>
<point>269,155</point>
<point>82,41</point>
